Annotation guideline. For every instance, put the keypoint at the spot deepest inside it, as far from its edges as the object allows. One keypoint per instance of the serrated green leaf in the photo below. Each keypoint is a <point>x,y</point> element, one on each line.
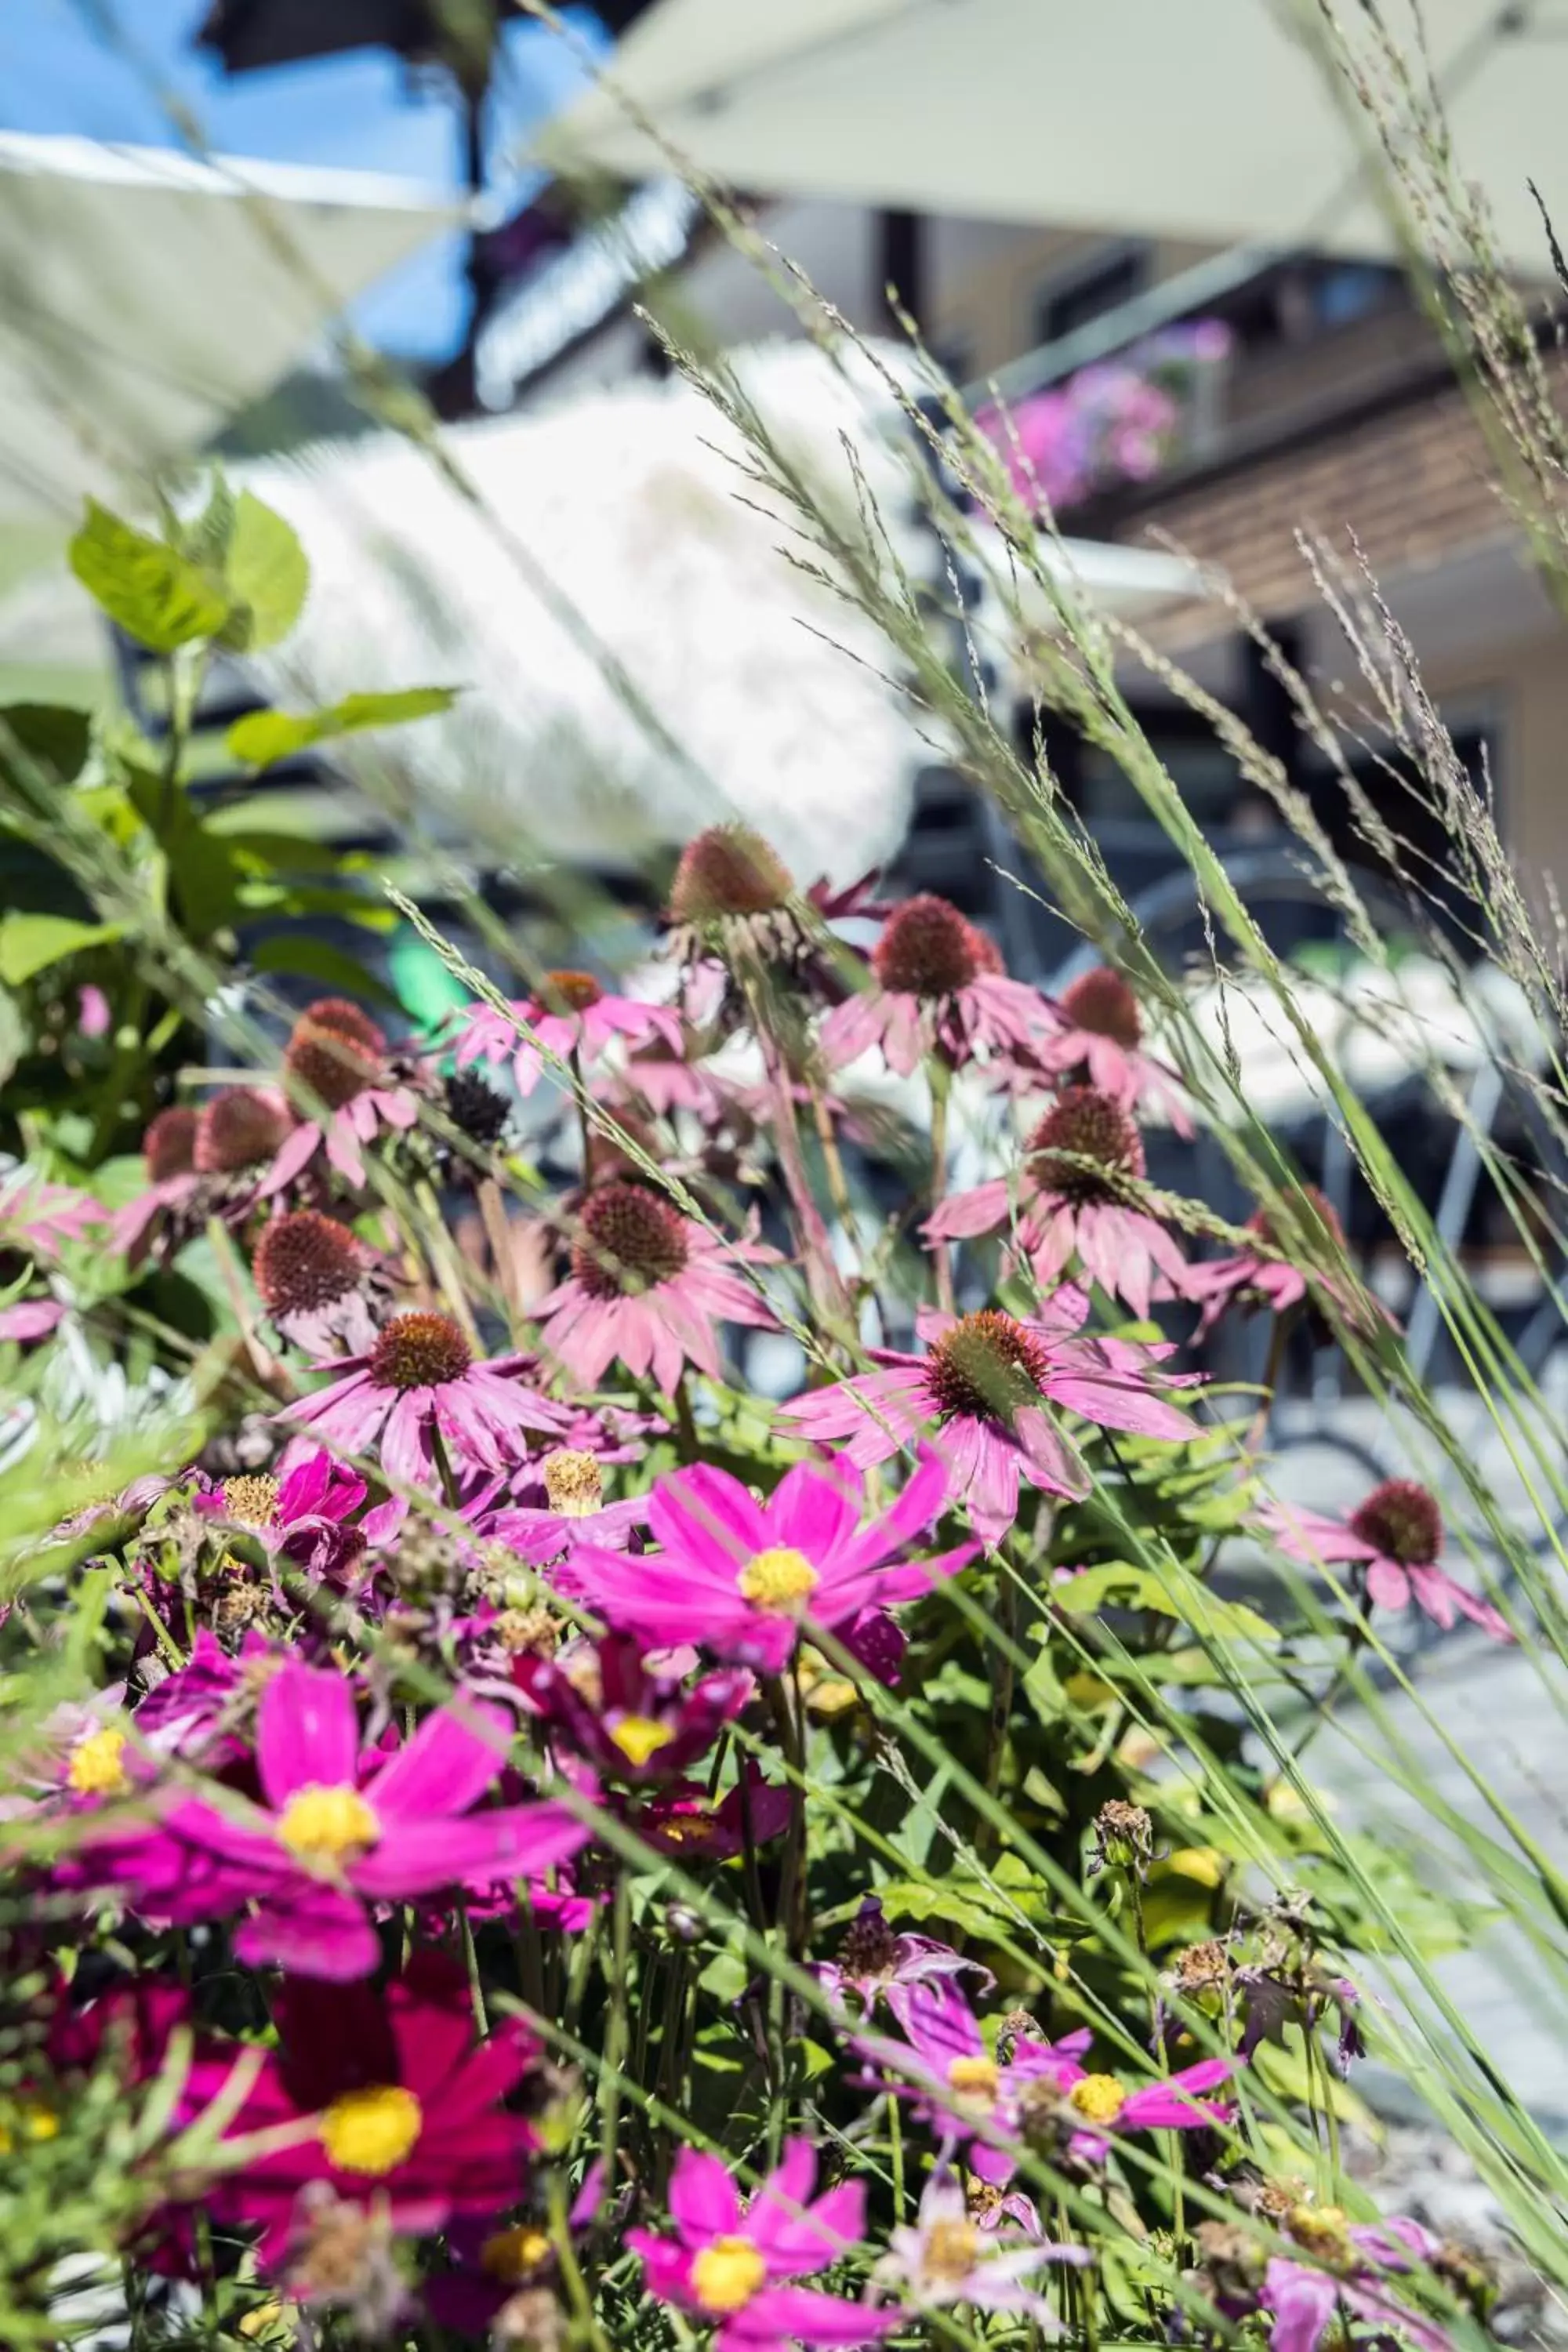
<point>147,589</point>
<point>266,573</point>
<point>30,943</point>
<point>265,737</point>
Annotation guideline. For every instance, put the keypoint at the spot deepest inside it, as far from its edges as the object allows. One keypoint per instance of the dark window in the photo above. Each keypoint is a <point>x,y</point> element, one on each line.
<point>1068,303</point>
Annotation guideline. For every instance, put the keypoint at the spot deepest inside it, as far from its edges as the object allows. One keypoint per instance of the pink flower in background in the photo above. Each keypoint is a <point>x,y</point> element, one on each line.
<point>944,2067</point>
<point>948,2258</point>
<point>573,1018</point>
<point>572,1510</point>
<point>418,1385</point>
<point>204,1163</point>
<point>1262,1278</point>
<point>1395,1536</point>
<point>302,1513</point>
<point>983,1386</point>
<point>645,1289</point>
<point>631,1723</point>
<point>875,1964</point>
<point>93,1013</point>
<point>1100,1043</point>
<point>38,1215</point>
<point>28,1320</point>
<point>337,1058</point>
<point>337,1828</point>
<point>1101,2105</point>
<point>399,2105</point>
<point>740,1577</point>
<point>686,1823</point>
<point>168,1151</point>
<point>321,1285</point>
<point>1308,2301</point>
<point>1074,1198</point>
<point>938,987</point>
<point>728,2264</point>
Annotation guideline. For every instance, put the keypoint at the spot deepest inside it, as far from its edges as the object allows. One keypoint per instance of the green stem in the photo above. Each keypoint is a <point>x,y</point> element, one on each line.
<point>941,1078</point>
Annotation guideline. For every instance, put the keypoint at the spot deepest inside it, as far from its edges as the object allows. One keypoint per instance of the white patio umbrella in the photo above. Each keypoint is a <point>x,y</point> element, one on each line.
<point>1206,118</point>
<point>145,296</point>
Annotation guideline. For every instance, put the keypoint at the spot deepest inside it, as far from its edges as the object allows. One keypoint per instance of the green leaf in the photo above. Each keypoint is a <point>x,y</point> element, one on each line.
<point>320,959</point>
<point>147,588</point>
<point>53,735</point>
<point>265,736</point>
<point>267,574</point>
<point>1124,1585</point>
<point>30,943</point>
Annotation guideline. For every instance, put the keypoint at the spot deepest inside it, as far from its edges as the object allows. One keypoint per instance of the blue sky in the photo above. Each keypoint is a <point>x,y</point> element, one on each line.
<point>57,73</point>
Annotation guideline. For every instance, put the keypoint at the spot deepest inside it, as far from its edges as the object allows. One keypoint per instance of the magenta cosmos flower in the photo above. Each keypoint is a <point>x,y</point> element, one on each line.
<point>572,1509</point>
<point>938,987</point>
<point>337,1060</point>
<point>983,1386</point>
<point>337,1830</point>
<point>419,1384</point>
<point>1393,1538</point>
<point>645,1289</point>
<point>944,2067</point>
<point>740,1576</point>
<point>403,2108</point>
<point>1075,1198</point>
<point>1102,2104</point>
<point>727,2265</point>
<point>302,1513</point>
<point>1100,1043</point>
<point>1349,2278</point>
<point>1279,1274</point>
<point>571,1018</point>
<point>631,1723</point>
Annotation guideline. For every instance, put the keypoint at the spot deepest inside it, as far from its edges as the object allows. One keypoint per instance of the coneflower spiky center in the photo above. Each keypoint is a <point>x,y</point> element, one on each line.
<point>927,949</point>
<point>728,870</point>
<point>305,1261</point>
<point>239,1127</point>
<point>570,991</point>
<point>419,1350</point>
<point>630,1241</point>
<point>168,1146</point>
<point>1085,1147</point>
<point>335,1051</point>
<point>1402,1519</point>
<point>987,1366</point>
<point>1101,1002</point>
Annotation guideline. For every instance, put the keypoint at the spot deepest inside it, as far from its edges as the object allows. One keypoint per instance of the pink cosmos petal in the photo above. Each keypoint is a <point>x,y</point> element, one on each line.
<point>817,1515</point>
<point>320,1934</point>
<point>514,1841</point>
<point>1304,2303</point>
<point>704,2202</point>
<point>306,1731</point>
<point>703,1511</point>
<point>792,2241</point>
<point>783,2315</point>
<point>445,1766</point>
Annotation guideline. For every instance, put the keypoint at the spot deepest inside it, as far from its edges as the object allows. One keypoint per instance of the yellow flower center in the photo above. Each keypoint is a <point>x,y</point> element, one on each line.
<point>951,2248</point>
<point>638,1736</point>
<point>325,1825</point>
<point>780,1579</point>
<point>975,2078</point>
<point>573,1483</point>
<point>1098,2098</point>
<point>727,2274</point>
<point>97,1766</point>
<point>510,2256</point>
<point>32,2120</point>
<point>373,2130</point>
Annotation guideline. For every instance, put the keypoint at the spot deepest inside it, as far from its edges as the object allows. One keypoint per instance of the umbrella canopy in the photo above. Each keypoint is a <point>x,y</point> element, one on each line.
<point>1210,120</point>
<point>145,296</point>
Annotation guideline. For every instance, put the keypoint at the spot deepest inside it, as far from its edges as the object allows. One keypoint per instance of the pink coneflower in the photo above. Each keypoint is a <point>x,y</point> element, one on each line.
<point>741,1576</point>
<point>727,2263</point>
<point>1075,1197</point>
<point>319,1281</point>
<point>571,1018</point>
<point>647,1287</point>
<point>632,1723</point>
<point>403,2108</point>
<point>338,1829</point>
<point>1395,1536</point>
<point>939,988</point>
<point>337,1059</point>
<point>948,2258</point>
<point>573,1511</point>
<point>984,1385</point>
<point>1100,1043</point>
<point>203,1164</point>
<point>1281,1273</point>
<point>419,1392</point>
<point>875,1964</point>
